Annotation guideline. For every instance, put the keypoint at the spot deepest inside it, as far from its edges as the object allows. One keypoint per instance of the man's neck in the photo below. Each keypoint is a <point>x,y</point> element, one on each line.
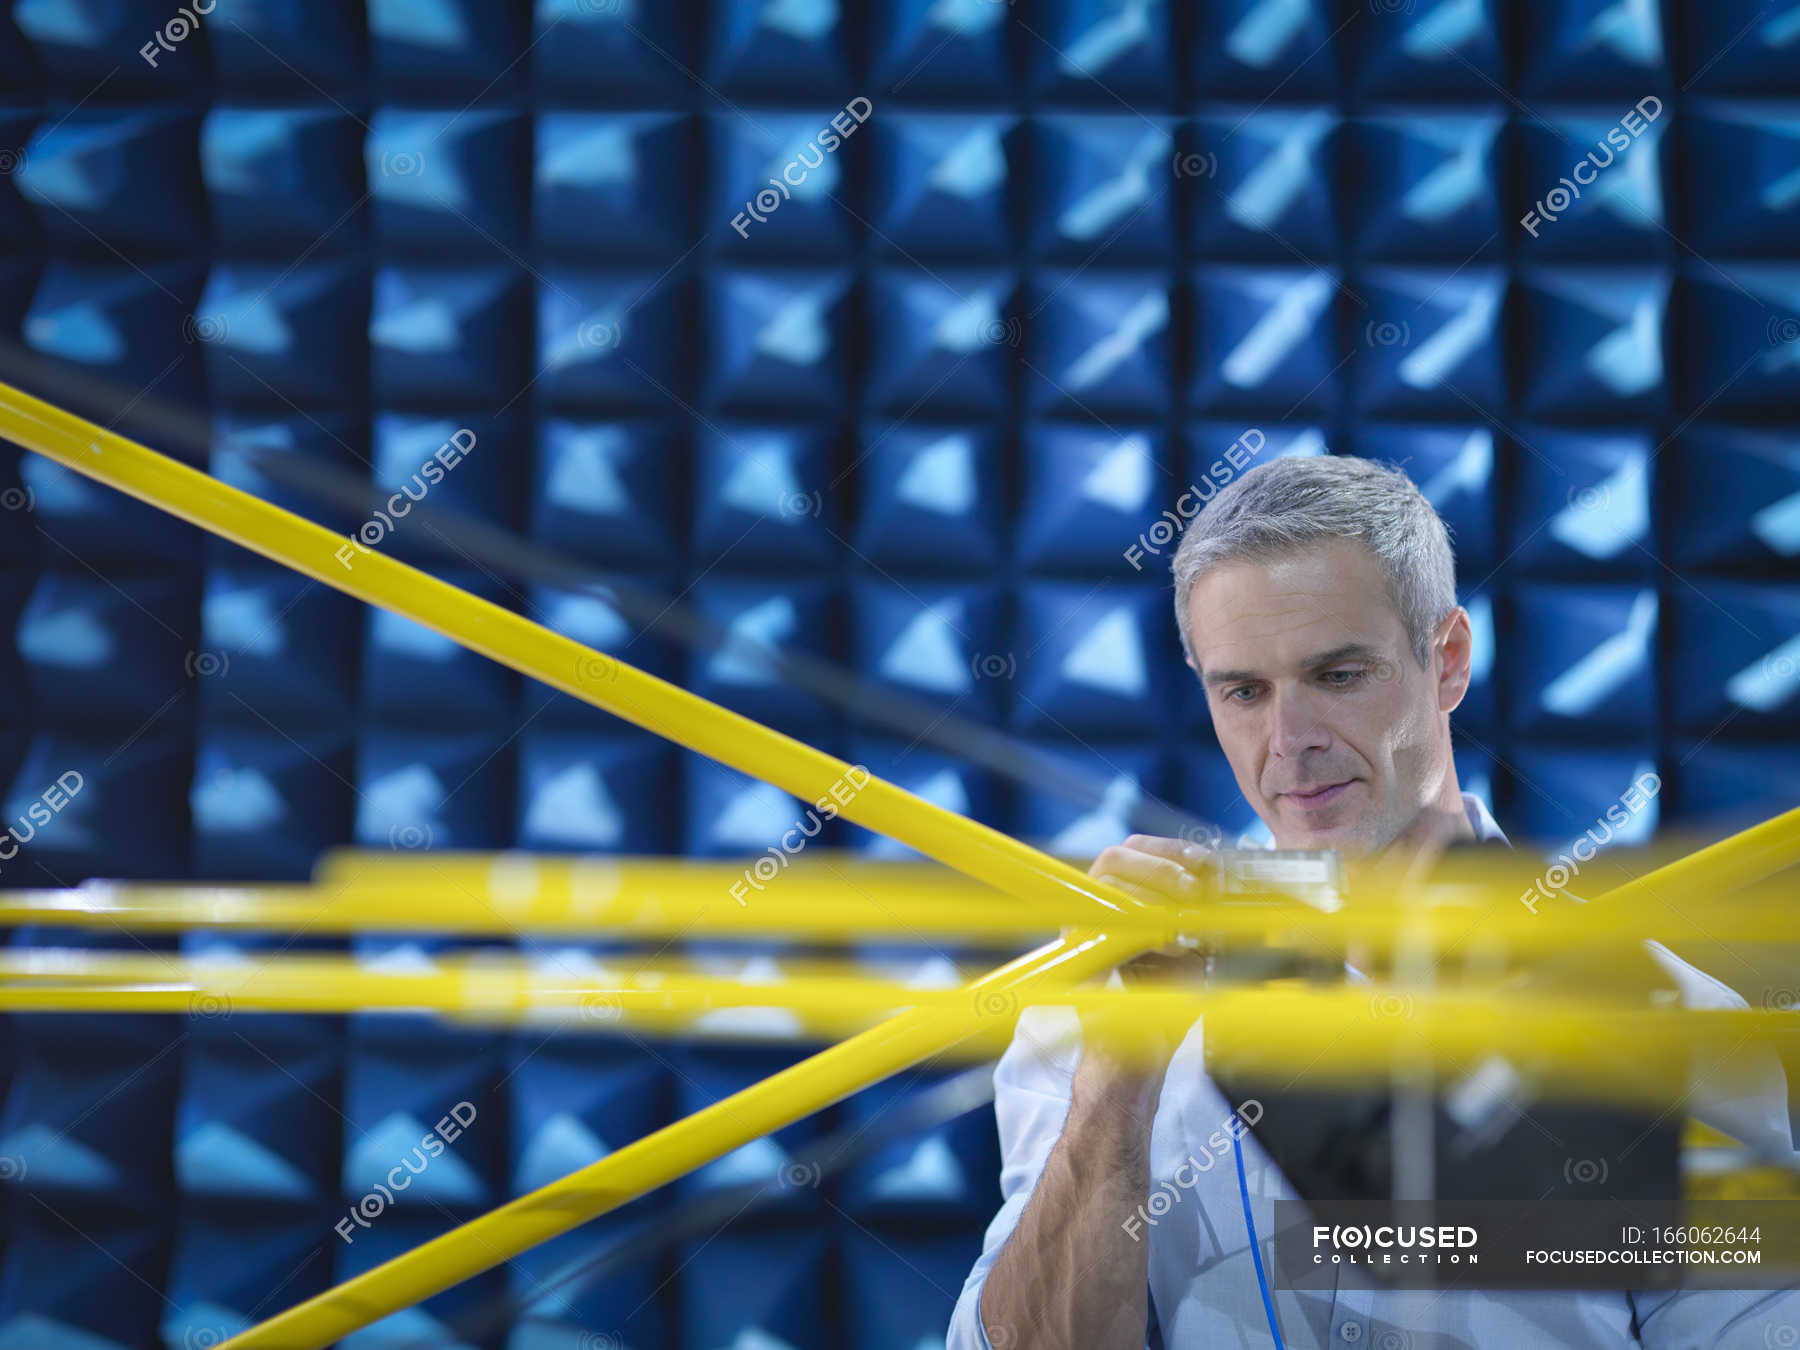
<point>1409,860</point>
<point>1443,822</point>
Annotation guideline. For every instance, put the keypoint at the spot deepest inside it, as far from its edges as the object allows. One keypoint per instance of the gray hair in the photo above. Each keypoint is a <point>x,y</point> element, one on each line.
<point>1288,503</point>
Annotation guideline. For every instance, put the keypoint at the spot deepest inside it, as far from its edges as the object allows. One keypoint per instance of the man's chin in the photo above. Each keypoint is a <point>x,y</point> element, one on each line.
<point>1347,837</point>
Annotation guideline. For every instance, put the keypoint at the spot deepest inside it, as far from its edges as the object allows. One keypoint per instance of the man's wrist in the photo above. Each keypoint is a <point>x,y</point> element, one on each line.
<point>1105,1086</point>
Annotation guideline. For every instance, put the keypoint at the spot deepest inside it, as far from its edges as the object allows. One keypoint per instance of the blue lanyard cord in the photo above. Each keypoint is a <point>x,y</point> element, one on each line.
<point>1262,1280</point>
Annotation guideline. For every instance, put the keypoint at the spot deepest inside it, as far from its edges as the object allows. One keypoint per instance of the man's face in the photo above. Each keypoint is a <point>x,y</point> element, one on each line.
<point>1334,733</point>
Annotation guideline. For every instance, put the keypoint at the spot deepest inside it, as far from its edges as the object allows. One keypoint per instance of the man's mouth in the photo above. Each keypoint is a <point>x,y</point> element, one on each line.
<point>1320,795</point>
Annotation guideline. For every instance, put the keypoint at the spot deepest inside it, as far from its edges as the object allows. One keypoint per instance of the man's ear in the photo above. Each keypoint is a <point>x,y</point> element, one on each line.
<point>1453,645</point>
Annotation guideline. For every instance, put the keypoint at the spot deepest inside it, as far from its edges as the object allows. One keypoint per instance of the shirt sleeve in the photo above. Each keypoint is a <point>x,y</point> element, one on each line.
<point>1718,1319</point>
<point>1747,1095</point>
<point>1746,1098</point>
<point>1031,1103</point>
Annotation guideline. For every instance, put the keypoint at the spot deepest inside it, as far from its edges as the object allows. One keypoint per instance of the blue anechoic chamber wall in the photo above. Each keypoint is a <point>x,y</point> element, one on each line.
<point>909,413</point>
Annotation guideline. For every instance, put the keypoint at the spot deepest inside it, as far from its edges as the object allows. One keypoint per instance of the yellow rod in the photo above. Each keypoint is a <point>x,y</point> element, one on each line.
<point>1748,856</point>
<point>626,899</point>
<point>1566,1046</point>
<point>834,785</point>
<point>501,985</point>
<point>661,1156</point>
<point>507,985</point>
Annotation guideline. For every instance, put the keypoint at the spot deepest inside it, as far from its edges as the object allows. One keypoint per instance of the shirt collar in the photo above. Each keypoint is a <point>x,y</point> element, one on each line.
<point>1482,820</point>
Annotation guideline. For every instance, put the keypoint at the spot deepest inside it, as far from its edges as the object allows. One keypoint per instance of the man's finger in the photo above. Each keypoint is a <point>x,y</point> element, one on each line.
<point>1170,880</point>
<point>1148,894</point>
<point>1182,851</point>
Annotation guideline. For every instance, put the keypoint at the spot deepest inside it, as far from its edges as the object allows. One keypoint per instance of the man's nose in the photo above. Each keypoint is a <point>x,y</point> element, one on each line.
<point>1297,723</point>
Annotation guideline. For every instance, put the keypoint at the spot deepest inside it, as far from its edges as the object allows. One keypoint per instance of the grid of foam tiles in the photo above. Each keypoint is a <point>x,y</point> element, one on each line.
<point>902,395</point>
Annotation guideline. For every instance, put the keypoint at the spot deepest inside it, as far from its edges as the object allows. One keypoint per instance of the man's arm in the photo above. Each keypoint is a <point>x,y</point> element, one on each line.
<point>1061,1266</point>
<point>1073,1276</point>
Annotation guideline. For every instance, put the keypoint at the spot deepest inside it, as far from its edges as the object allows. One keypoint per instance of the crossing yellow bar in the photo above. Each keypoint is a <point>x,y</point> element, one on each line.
<point>837,786</point>
<point>1718,869</point>
<point>633,899</point>
<point>1569,1041</point>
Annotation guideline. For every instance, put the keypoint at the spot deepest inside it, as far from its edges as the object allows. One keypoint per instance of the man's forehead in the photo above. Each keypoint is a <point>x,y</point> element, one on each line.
<point>1293,609</point>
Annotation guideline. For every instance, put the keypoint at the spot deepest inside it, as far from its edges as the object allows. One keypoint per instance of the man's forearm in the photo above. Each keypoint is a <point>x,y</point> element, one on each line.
<point>1071,1277</point>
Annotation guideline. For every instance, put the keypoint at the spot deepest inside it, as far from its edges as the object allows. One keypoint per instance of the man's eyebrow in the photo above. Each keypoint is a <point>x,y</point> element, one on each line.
<point>1350,651</point>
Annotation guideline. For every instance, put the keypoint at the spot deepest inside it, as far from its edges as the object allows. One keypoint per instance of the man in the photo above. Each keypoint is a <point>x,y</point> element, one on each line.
<point>1316,602</point>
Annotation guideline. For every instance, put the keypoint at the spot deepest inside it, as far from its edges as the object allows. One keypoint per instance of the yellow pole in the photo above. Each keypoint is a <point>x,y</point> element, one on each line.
<point>653,898</point>
<point>1570,1041</point>
<point>1716,870</point>
<point>562,663</point>
<point>662,1156</point>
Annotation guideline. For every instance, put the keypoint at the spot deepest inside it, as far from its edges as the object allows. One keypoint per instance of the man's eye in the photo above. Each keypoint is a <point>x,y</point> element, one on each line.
<point>1231,696</point>
<point>1342,679</point>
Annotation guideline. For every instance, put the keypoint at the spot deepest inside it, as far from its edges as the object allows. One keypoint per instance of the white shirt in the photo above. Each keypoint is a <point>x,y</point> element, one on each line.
<point>1203,1287</point>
